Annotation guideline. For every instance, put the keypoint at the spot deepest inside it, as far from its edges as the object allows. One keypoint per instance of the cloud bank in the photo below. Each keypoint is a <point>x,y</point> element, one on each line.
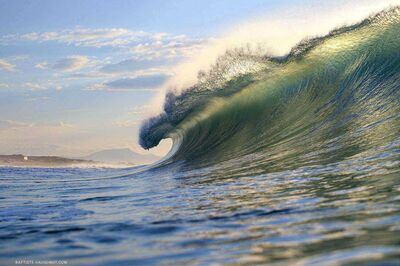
<point>5,65</point>
<point>70,63</point>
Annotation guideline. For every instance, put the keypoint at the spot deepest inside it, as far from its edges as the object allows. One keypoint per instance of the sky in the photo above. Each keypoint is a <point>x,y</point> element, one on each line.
<point>79,76</point>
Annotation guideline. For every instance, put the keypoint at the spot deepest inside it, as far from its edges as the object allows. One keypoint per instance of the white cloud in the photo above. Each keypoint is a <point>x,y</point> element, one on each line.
<point>13,124</point>
<point>33,36</point>
<point>70,63</point>
<point>66,125</point>
<point>142,82</point>
<point>126,123</point>
<point>34,99</point>
<point>119,72</point>
<point>135,83</point>
<point>4,85</point>
<point>5,65</point>
<point>115,37</point>
<point>139,110</point>
<point>141,44</point>
<point>131,65</point>
<point>168,47</point>
<point>5,124</point>
<point>33,86</point>
<point>166,71</point>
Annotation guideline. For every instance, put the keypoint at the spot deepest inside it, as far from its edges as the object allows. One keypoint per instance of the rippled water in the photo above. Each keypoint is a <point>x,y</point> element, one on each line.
<point>340,213</point>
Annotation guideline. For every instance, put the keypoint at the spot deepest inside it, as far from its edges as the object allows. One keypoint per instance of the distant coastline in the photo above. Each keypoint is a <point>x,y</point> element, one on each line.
<point>20,160</point>
<point>112,158</point>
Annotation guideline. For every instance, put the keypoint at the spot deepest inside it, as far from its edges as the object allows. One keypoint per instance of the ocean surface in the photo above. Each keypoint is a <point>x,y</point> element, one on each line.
<point>290,160</point>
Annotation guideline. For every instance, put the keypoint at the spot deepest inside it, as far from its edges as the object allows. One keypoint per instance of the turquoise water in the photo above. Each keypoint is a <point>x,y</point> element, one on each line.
<point>295,162</point>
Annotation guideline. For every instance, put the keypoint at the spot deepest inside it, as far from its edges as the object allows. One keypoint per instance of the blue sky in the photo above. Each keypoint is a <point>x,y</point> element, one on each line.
<point>177,17</point>
<point>79,76</point>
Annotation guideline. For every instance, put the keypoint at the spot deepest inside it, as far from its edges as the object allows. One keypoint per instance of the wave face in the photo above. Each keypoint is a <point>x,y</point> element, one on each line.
<point>330,98</point>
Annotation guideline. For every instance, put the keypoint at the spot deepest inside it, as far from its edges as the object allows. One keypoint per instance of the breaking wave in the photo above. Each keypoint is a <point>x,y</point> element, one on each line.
<point>330,98</point>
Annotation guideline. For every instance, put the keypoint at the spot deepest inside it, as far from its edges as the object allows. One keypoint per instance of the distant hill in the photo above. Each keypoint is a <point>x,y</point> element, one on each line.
<point>121,156</point>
